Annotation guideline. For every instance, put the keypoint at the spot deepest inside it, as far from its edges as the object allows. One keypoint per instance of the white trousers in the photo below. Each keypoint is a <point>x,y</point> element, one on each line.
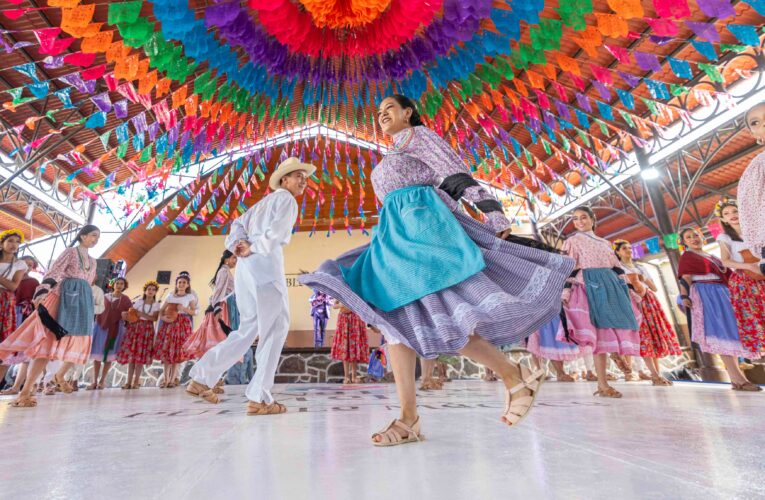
<point>264,313</point>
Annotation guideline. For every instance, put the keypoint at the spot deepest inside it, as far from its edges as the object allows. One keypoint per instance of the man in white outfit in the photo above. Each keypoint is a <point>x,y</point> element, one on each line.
<point>257,238</point>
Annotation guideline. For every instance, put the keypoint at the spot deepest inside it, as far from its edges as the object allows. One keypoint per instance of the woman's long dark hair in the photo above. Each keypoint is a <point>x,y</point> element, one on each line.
<point>618,246</point>
<point>727,228</point>
<point>406,102</point>
<point>226,255</point>
<point>87,229</point>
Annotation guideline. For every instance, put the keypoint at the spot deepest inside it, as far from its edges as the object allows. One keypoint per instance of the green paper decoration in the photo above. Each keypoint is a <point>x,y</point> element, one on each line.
<point>125,12</point>
<point>671,241</point>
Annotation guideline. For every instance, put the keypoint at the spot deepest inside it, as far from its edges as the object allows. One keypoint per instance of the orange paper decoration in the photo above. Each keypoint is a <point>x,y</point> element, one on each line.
<point>338,14</point>
<point>612,25</point>
<point>163,87</point>
<point>63,3</point>
<point>97,43</point>
<point>589,40</point>
<point>627,9</point>
<point>568,64</point>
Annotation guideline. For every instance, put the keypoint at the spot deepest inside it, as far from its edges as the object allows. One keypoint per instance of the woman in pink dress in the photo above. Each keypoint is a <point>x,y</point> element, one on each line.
<point>211,332</point>
<point>601,310</point>
<point>176,315</point>
<point>62,326</point>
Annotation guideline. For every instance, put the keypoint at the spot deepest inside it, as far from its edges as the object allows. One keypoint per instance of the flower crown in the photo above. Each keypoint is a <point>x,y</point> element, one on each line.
<point>724,202</point>
<point>11,232</point>
<point>150,283</point>
<point>618,243</point>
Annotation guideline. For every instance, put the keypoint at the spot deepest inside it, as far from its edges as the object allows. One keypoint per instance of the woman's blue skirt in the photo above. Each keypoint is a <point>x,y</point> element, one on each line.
<point>233,312</point>
<point>418,248</point>
<point>75,310</point>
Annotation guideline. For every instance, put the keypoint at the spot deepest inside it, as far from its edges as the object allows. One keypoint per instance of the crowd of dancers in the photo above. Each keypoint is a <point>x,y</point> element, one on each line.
<point>432,280</point>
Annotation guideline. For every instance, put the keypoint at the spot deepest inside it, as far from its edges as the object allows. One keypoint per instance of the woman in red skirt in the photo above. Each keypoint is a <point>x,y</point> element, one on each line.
<point>657,337</point>
<point>746,285</point>
<point>136,348</point>
<point>176,314</point>
<point>12,270</point>
<point>350,344</point>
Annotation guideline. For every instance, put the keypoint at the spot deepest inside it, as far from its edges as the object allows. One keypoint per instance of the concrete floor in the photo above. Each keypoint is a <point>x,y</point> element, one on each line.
<point>687,441</point>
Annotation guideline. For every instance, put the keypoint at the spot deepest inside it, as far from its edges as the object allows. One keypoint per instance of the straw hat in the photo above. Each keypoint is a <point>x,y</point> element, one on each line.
<point>287,167</point>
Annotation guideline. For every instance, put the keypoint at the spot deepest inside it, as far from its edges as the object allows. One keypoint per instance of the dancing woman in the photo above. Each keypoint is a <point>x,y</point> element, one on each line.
<point>216,323</point>
<point>24,307</point>
<point>137,343</point>
<point>12,271</point>
<point>436,281</point>
<point>657,337</point>
<point>601,310</point>
<point>704,288</point>
<point>62,326</point>
<point>746,284</point>
<point>544,344</point>
<point>108,331</point>
<point>176,314</point>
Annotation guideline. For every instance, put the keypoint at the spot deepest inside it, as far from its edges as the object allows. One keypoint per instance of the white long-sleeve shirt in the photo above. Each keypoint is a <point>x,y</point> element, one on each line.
<point>267,226</point>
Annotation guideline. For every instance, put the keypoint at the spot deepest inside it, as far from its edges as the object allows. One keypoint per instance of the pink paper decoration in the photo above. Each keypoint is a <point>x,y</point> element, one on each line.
<point>672,8</point>
<point>715,229</point>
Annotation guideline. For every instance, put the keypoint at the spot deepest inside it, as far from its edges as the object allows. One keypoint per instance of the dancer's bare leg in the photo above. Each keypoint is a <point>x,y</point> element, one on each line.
<point>734,371</point>
<point>96,371</point>
<point>21,377</point>
<point>403,361</point>
<point>480,350</point>
<point>104,373</point>
<point>36,368</point>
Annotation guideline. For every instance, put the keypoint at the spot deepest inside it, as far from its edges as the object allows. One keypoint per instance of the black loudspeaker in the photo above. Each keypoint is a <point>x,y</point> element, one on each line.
<point>163,277</point>
<point>103,272</point>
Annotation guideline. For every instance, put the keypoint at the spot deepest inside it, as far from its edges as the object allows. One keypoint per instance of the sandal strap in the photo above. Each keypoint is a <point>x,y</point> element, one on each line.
<point>389,435</point>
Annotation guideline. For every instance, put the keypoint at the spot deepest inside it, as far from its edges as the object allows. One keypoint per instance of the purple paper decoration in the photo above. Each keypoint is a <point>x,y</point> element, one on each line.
<point>584,102</point>
<point>102,102</point>
<point>631,80</point>
<point>121,109</point>
<point>605,94</point>
<point>705,31</point>
<point>721,9</point>
<point>647,61</point>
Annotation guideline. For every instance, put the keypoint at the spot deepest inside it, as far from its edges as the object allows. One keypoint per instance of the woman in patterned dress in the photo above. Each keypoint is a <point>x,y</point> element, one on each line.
<point>12,270</point>
<point>137,343</point>
<point>108,332</point>
<point>751,189</point>
<point>602,312</point>
<point>746,284</point>
<point>210,333</point>
<point>62,326</point>
<point>24,307</point>
<point>704,287</point>
<point>657,337</point>
<point>174,331</point>
<point>544,344</point>
<point>350,343</point>
<point>436,281</point>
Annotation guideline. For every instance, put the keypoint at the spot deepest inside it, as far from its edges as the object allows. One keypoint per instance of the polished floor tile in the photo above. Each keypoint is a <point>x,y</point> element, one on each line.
<point>687,441</point>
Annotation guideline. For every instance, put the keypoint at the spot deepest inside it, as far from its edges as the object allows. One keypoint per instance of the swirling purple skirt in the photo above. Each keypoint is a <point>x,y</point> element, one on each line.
<point>518,291</point>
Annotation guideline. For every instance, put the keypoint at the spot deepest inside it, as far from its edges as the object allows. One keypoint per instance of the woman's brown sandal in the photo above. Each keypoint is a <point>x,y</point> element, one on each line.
<point>518,407</point>
<point>50,389</point>
<point>661,381</point>
<point>565,378</point>
<point>202,391</point>
<point>431,384</point>
<point>397,432</point>
<point>746,386</point>
<point>9,392</point>
<point>218,389</point>
<point>608,392</point>
<point>24,401</point>
<point>62,384</point>
<point>257,409</point>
